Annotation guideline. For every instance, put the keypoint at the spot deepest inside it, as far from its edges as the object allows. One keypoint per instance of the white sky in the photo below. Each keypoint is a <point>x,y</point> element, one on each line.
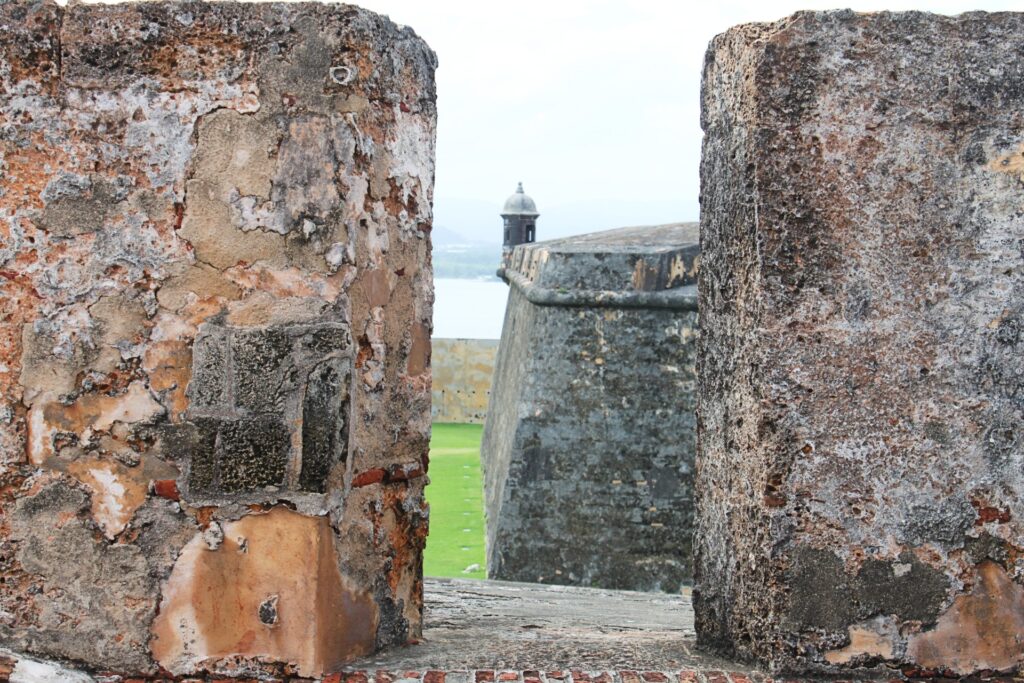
<point>587,102</point>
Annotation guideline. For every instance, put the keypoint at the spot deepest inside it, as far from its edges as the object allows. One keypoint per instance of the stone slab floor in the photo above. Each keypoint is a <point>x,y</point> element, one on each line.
<point>497,625</point>
<point>501,632</point>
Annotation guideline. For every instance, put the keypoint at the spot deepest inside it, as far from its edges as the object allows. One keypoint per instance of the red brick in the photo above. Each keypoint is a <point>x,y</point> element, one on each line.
<point>689,676</point>
<point>484,677</point>
<point>374,476</point>
<point>405,472</point>
<point>166,488</point>
<point>433,677</point>
<point>630,677</point>
<point>654,677</point>
<point>508,676</point>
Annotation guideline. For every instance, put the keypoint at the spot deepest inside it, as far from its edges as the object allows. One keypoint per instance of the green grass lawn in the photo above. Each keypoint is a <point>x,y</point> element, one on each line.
<point>455,494</point>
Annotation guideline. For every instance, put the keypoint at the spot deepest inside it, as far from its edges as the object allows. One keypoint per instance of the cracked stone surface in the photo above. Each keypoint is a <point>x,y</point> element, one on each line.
<point>214,349</point>
<point>860,501</point>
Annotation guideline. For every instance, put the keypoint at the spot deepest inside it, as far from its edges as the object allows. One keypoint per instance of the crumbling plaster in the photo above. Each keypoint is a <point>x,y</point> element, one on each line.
<point>216,299</point>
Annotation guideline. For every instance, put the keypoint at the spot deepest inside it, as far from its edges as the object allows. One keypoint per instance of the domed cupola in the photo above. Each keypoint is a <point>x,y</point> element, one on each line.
<point>520,218</point>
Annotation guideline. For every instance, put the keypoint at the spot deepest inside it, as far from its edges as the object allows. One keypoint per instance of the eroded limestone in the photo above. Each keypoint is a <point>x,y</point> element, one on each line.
<point>860,497</point>
<point>207,242</point>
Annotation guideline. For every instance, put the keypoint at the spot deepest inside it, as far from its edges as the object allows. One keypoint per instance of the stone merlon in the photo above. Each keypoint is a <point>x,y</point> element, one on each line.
<point>860,503</point>
<point>215,277</point>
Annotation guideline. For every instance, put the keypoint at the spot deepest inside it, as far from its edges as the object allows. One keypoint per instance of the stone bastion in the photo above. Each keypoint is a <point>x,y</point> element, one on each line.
<point>588,445</point>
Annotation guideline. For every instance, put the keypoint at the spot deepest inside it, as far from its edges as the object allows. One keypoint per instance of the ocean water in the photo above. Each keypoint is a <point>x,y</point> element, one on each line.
<point>469,309</point>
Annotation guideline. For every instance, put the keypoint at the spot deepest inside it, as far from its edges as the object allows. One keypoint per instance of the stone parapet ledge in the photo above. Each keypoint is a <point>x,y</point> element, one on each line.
<point>683,298</point>
<point>638,267</point>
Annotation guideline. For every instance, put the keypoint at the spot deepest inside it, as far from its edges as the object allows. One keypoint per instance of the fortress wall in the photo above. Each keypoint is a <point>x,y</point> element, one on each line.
<point>462,370</point>
<point>588,444</point>
<point>860,499</point>
<point>215,361</point>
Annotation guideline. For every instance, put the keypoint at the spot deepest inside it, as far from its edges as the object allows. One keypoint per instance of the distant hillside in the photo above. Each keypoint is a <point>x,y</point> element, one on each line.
<point>446,237</point>
<point>466,221</point>
<point>466,262</point>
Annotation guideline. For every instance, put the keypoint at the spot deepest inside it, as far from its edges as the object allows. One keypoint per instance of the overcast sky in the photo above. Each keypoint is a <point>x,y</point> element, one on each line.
<point>592,104</point>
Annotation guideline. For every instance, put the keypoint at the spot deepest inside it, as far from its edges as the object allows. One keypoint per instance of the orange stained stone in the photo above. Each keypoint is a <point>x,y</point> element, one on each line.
<point>90,413</point>
<point>271,591</point>
<point>419,354</point>
<point>981,630</point>
<point>117,491</point>
<point>169,366</point>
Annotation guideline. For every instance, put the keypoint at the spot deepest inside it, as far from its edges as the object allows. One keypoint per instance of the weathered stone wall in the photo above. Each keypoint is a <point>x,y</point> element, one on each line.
<point>588,445</point>
<point>461,370</point>
<point>214,347</point>
<point>860,498</point>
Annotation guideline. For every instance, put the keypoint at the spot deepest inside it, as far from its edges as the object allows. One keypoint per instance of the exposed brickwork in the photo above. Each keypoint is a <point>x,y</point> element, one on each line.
<point>461,676</point>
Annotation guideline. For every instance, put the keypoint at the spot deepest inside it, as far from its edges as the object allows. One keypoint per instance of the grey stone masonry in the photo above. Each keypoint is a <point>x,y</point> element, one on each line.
<point>860,497</point>
<point>247,386</point>
<point>588,443</point>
